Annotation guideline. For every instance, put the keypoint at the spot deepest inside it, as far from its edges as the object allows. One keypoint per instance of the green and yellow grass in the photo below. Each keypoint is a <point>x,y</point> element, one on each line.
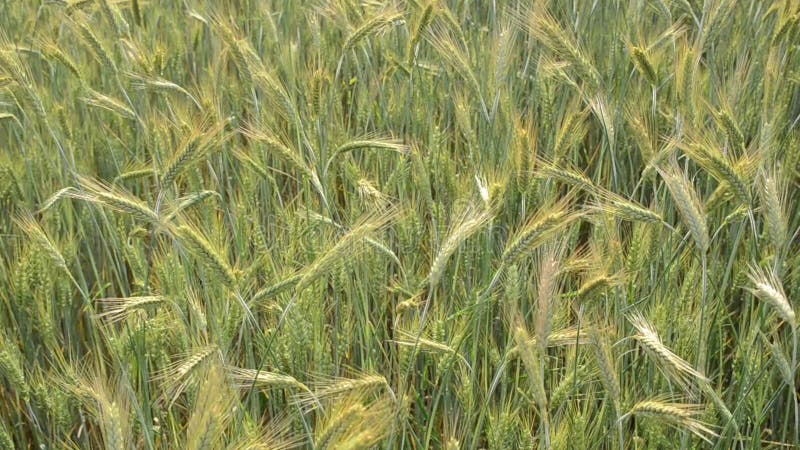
<point>345,224</point>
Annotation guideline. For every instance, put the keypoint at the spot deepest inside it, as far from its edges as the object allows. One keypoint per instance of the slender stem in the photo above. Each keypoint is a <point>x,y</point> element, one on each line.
<point>702,339</point>
<point>792,386</point>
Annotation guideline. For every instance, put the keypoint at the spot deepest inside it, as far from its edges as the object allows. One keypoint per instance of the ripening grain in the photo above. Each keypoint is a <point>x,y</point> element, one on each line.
<point>402,224</point>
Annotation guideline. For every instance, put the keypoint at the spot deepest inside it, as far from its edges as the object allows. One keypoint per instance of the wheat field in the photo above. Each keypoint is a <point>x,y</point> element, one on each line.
<point>419,224</point>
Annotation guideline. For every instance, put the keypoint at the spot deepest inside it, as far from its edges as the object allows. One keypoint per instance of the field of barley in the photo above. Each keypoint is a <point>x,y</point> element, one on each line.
<point>401,224</point>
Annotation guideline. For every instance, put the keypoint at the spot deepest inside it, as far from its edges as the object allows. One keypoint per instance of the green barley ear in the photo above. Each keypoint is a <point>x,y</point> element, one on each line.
<point>370,194</point>
<point>192,148</point>
<point>431,346</point>
<point>119,309</point>
<point>107,401</point>
<point>64,123</point>
<point>532,360</point>
<point>188,201</point>
<point>98,100</point>
<point>6,439</point>
<point>782,361</point>
<point>137,12</point>
<point>10,117</point>
<point>676,368</point>
<point>370,27</point>
<point>525,151</point>
<point>560,338</point>
<point>769,288</point>
<point>425,19</point>
<point>571,384</point>
<point>773,195</point>
<point>644,64</point>
<point>11,367</point>
<point>573,129</point>
<point>371,142</point>
<point>548,288</point>
<point>353,424</point>
<point>726,121</point>
<point>337,422</point>
<point>183,372</point>
<point>546,29</point>
<point>9,186</point>
<point>114,198</point>
<point>710,158</point>
<point>785,28</point>
<point>618,206</point>
<point>35,232</point>
<point>98,49</point>
<point>238,48</point>
<point>603,111</point>
<point>134,173</point>
<point>716,18</point>
<point>538,229</point>
<point>251,163</point>
<point>53,52</point>
<point>467,223</point>
<point>320,83</point>
<point>332,389</point>
<point>115,431</point>
<point>347,247</point>
<point>688,204</point>
<point>158,84</point>
<point>287,154</point>
<point>277,288</point>
<point>685,67</point>
<point>67,192</point>
<point>263,379</point>
<point>454,52</point>
<point>597,284</point>
<point>679,415</point>
<point>544,93</point>
<point>212,411</point>
<point>367,143</point>
<point>193,239</point>
<point>452,444</point>
<point>567,174</point>
<point>113,15</point>
<point>11,64</point>
<point>607,365</point>
<point>641,129</point>
<point>276,434</point>
<point>464,119</point>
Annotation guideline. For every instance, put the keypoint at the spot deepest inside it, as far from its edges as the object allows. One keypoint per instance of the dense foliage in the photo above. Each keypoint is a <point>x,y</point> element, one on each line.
<point>402,224</point>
